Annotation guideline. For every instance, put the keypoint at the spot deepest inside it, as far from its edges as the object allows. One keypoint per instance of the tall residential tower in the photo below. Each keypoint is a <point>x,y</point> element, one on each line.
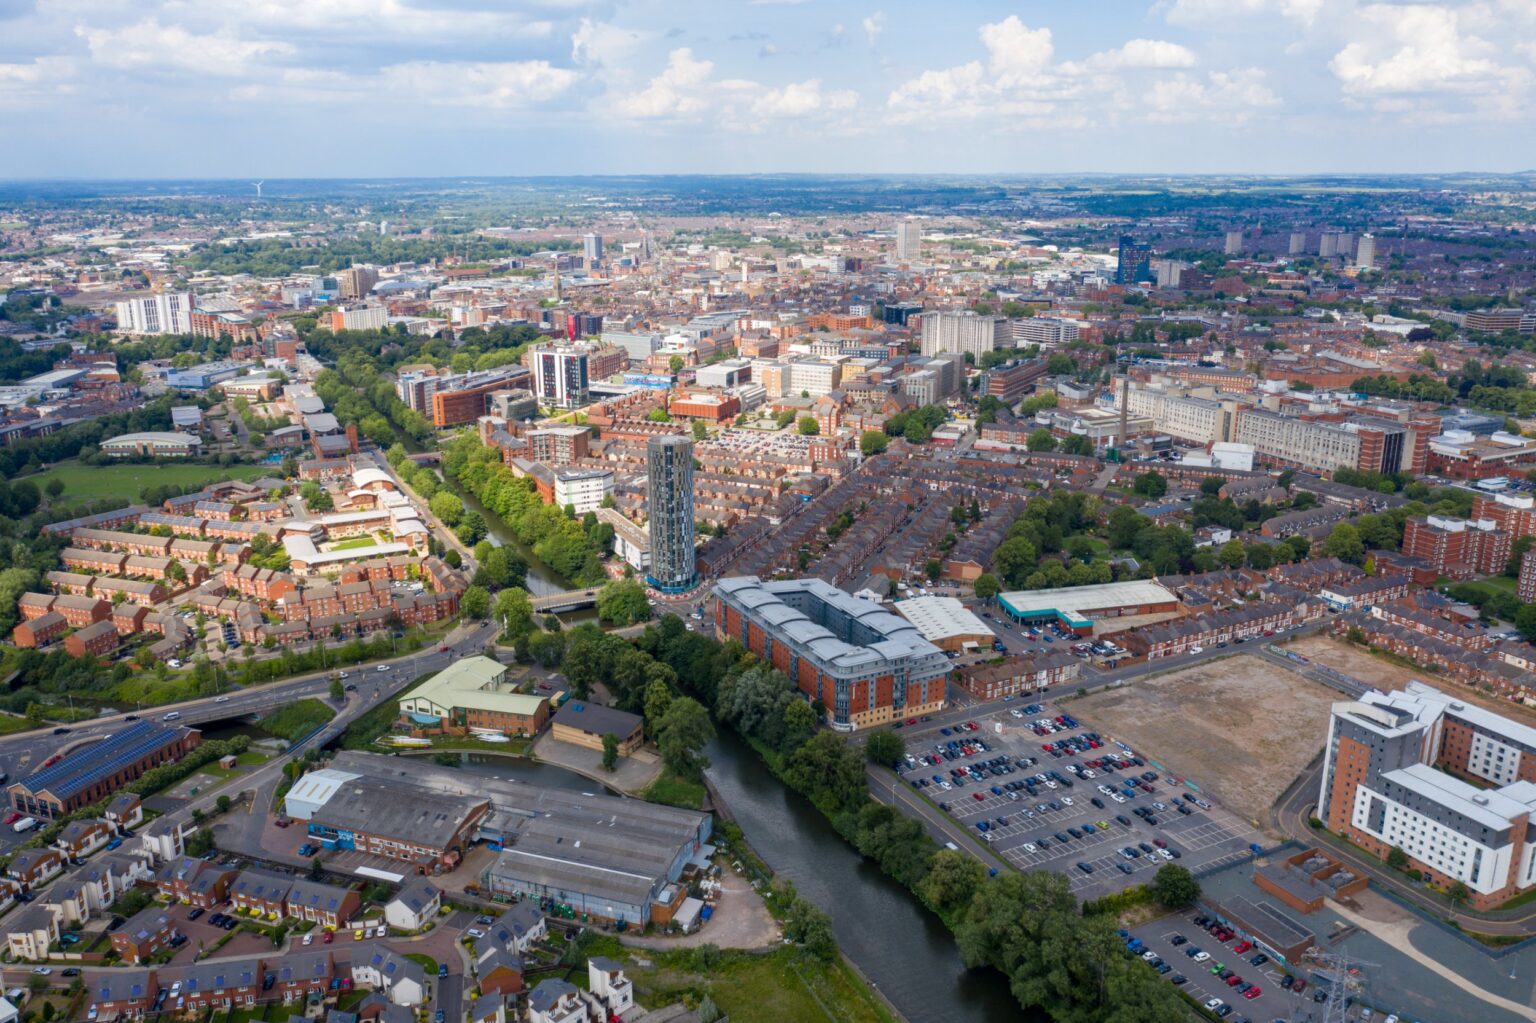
<point>669,489</point>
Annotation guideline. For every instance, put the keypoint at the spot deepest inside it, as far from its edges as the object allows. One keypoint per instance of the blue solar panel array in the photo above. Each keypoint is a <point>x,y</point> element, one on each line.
<point>81,770</point>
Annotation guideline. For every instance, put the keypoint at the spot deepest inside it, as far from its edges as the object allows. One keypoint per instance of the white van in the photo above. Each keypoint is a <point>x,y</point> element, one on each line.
<point>172,716</point>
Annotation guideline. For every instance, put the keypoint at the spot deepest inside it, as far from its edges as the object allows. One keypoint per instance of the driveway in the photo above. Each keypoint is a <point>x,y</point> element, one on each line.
<point>740,920</point>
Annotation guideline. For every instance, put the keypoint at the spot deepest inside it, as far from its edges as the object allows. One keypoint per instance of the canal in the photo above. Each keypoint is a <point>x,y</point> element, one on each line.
<point>899,945</point>
<point>542,579</point>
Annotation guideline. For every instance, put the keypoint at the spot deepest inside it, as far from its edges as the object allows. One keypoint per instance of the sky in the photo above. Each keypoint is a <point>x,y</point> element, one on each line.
<point>323,88</point>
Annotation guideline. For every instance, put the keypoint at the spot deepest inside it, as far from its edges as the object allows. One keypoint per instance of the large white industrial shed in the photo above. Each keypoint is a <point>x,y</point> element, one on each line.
<point>313,791</point>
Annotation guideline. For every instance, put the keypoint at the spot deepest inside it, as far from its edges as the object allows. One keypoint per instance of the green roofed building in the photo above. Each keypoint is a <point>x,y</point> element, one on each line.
<point>473,694</point>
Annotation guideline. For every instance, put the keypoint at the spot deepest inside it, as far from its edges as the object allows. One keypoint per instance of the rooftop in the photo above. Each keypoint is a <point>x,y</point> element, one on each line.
<point>941,617</point>
<point>1068,600</point>
<point>474,683</point>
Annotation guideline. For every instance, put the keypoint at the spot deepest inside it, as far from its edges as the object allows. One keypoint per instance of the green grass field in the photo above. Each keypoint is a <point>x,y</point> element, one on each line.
<point>675,791</point>
<point>782,985</point>
<point>92,482</point>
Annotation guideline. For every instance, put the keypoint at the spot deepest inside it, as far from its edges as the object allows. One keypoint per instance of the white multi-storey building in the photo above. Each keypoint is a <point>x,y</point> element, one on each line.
<point>165,313</point>
<point>964,332</point>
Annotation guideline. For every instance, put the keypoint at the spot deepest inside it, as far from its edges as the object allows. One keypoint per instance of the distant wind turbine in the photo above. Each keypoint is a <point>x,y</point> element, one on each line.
<point>257,185</point>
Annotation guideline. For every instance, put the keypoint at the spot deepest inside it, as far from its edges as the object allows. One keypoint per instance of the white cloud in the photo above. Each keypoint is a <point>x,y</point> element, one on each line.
<point>363,19</point>
<point>1202,11</point>
<point>1146,53</point>
<point>1233,95</point>
<point>676,92</point>
<point>1023,85</point>
<point>1420,49</point>
<point>481,84</point>
<point>601,43</point>
<point>801,99</point>
<point>873,26</point>
<point>1015,50</point>
<point>149,44</point>
<point>26,83</point>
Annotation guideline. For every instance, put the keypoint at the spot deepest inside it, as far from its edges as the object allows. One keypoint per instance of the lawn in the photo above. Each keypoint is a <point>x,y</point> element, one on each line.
<point>675,791</point>
<point>92,482</point>
<point>352,542</point>
<point>296,720</point>
<point>785,984</point>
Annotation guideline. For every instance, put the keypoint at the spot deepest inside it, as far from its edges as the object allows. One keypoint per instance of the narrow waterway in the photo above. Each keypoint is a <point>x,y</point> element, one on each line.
<point>542,579</point>
<point>900,946</point>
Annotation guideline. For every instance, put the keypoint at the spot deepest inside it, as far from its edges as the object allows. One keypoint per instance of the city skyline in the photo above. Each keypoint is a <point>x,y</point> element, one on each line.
<point>1175,86</point>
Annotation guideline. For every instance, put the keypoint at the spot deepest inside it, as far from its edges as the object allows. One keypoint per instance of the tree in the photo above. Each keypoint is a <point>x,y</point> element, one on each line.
<point>447,507</point>
<point>1150,485</point>
<point>1077,444</point>
<point>316,870</point>
<point>223,803</point>
<point>675,364</point>
<point>799,725</point>
<point>1233,554</point>
<point>338,691</point>
<point>1397,859</point>
<point>708,1011</point>
<point>933,568</point>
<point>1041,440</point>
<point>1174,886</point>
<point>54,487</point>
<point>610,752</point>
<point>514,609</point>
<point>1123,526</point>
<point>700,431</point>
<point>872,442</point>
<point>476,602</point>
<point>658,700</point>
<point>685,730</point>
<point>808,426</point>
<point>659,415</point>
<point>806,923</point>
<point>623,602</point>
<point>1458,893</point>
<point>952,881</point>
<point>1211,486</point>
<point>1344,543</point>
<point>884,747</point>
<point>986,586</point>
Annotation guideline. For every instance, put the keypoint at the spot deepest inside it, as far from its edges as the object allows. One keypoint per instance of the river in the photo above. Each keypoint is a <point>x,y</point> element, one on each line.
<point>900,946</point>
<point>542,579</point>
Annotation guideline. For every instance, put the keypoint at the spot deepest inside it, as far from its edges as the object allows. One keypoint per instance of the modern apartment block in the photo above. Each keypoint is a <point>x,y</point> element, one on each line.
<point>1363,442</point>
<point>560,377</point>
<point>1458,548</point>
<point>1181,415</point>
<point>1451,784</point>
<point>866,665</point>
<point>669,493</point>
<point>165,313</point>
<point>962,332</point>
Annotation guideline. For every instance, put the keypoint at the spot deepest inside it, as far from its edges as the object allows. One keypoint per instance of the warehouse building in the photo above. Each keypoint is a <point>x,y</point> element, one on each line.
<point>386,817</point>
<point>1076,607</point>
<point>607,859</point>
<point>473,693</point>
<point>945,622</point>
<point>866,665</point>
<point>95,771</point>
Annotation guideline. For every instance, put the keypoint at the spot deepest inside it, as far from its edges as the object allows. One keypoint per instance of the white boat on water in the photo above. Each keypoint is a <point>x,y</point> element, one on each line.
<point>406,740</point>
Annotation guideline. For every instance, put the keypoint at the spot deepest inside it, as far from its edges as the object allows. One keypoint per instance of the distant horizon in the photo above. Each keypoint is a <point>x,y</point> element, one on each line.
<point>641,175</point>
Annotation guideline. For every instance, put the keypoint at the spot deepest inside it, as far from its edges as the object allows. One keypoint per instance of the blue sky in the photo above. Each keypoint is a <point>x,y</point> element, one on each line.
<point>283,88</point>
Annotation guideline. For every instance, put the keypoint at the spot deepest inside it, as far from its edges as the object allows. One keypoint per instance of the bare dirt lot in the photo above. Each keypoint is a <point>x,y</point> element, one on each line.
<point>1360,664</point>
<point>1389,676</point>
<point>1241,727</point>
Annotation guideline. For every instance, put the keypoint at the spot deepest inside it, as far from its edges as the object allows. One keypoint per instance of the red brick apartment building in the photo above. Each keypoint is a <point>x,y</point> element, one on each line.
<point>455,408</point>
<point>96,640</point>
<point>1457,548</point>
